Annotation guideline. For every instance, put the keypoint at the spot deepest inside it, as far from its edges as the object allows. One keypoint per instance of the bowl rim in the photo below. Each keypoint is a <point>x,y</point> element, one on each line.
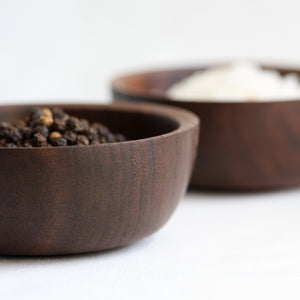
<point>118,86</point>
<point>185,119</point>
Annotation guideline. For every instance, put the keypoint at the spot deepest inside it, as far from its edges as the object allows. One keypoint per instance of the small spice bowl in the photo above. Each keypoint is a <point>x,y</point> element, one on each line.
<point>75,199</point>
<point>243,145</point>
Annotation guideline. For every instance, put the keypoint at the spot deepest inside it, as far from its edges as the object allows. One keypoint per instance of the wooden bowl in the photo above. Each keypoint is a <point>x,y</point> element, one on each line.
<point>243,146</point>
<point>76,199</point>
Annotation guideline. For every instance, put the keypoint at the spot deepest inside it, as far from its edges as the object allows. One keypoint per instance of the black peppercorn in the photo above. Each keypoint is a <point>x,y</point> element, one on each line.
<point>72,123</point>
<point>3,141</point>
<point>82,140</point>
<point>41,129</point>
<point>58,113</point>
<point>36,113</point>
<point>12,134</point>
<point>102,130</point>
<point>110,138</point>
<point>39,140</point>
<point>26,132</point>
<point>27,143</point>
<point>71,137</point>
<point>59,124</point>
<point>10,145</point>
<point>120,137</point>
<point>53,127</point>
<point>59,141</point>
<point>20,124</point>
<point>92,134</point>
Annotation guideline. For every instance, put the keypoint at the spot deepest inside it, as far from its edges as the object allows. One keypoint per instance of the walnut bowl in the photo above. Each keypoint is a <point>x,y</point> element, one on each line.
<point>76,199</point>
<point>243,145</point>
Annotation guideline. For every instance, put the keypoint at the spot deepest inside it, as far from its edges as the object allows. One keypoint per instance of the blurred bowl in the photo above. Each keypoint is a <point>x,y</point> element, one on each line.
<point>243,145</point>
<point>76,199</point>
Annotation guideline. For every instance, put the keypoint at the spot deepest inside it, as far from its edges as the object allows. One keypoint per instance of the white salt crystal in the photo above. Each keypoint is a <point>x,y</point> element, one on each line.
<point>240,81</point>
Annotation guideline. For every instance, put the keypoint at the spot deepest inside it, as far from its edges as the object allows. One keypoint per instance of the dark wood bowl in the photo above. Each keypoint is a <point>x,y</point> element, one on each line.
<point>243,146</point>
<point>76,199</point>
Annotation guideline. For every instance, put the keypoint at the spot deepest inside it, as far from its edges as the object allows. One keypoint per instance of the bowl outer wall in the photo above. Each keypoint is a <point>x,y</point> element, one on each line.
<point>243,146</point>
<point>78,199</point>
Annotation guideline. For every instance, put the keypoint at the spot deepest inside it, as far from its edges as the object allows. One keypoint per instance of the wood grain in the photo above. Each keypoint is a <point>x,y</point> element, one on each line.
<point>78,199</point>
<point>243,146</point>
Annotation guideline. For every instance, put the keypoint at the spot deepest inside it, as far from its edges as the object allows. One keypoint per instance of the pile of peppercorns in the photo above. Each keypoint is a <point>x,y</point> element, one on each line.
<point>52,128</point>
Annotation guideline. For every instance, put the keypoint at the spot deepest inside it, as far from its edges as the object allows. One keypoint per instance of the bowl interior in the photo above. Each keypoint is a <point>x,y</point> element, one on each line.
<point>150,84</point>
<point>133,124</point>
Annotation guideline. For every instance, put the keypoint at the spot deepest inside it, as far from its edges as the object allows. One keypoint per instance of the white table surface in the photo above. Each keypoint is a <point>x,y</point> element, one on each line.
<point>216,246</point>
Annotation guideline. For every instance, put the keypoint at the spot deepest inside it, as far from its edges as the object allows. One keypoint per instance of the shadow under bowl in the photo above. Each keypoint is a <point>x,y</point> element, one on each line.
<point>76,199</point>
<point>243,145</point>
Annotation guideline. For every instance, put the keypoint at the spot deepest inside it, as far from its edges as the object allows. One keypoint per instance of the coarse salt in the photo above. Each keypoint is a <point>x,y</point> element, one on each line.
<point>240,81</point>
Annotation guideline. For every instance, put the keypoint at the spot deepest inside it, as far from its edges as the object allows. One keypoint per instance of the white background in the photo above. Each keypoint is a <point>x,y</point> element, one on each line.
<point>68,49</point>
<point>217,246</point>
